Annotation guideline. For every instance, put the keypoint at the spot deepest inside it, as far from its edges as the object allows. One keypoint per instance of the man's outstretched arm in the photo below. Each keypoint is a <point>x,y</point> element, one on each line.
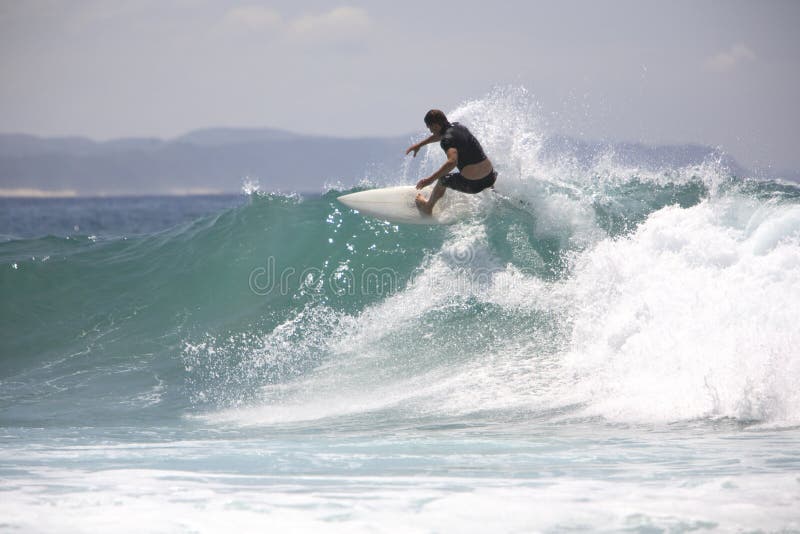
<point>433,138</point>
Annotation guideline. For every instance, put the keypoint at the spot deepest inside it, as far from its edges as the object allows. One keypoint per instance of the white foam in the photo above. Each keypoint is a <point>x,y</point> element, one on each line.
<point>135,500</point>
<point>692,316</point>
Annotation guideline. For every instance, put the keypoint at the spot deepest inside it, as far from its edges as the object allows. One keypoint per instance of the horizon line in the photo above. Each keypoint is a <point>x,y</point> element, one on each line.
<point>34,193</point>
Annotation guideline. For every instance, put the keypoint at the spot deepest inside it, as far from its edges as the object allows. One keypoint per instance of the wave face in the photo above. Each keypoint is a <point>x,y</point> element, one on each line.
<point>585,287</point>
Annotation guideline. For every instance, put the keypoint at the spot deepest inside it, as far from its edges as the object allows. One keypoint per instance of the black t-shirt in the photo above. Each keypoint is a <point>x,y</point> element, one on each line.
<point>469,149</point>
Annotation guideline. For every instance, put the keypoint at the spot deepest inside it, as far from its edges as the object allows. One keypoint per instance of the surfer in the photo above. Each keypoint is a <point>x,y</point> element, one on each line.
<point>475,171</point>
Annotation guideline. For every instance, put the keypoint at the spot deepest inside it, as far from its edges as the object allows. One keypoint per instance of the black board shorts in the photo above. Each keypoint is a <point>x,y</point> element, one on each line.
<point>455,180</point>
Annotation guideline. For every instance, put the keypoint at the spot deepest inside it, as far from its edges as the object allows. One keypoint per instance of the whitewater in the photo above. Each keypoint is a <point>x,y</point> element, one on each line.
<point>596,346</point>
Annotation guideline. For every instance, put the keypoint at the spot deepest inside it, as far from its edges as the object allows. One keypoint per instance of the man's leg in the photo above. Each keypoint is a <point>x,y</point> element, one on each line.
<point>426,206</point>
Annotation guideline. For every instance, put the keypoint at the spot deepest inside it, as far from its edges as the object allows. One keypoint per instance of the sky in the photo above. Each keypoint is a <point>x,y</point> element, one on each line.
<point>720,73</point>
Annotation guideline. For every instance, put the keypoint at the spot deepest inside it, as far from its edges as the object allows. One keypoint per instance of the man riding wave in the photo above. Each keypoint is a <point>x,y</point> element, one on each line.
<point>475,171</point>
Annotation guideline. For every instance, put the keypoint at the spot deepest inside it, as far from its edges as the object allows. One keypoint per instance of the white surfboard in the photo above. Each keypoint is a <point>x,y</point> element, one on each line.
<point>396,204</point>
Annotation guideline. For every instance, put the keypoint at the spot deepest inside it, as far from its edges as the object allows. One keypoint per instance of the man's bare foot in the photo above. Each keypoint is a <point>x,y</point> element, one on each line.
<point>422,204</point>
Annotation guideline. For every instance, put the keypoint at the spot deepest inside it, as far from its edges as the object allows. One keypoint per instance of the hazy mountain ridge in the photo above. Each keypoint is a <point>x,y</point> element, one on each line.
<point>204,160</point>
<point>219,159</point>
<point>31,145</point>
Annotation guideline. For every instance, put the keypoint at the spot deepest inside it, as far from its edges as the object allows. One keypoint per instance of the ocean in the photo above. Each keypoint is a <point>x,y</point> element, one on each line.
<point>595,346</point>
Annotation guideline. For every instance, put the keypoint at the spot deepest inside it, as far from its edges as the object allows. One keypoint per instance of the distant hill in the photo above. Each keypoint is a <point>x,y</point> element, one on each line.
<point>236,136</point>
<point>204,160</point>
<point>220,159</point>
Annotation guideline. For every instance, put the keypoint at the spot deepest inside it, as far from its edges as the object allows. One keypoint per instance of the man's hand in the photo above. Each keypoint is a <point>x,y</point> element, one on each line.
<point>414,149</point>
<point>424,182</point>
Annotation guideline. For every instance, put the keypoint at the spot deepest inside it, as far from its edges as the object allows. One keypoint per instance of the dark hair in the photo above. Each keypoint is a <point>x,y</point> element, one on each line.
<point>436,116</point>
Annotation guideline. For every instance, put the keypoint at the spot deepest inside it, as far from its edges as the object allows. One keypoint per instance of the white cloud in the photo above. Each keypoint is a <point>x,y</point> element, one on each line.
<point>255,18</point>
<point>342,24</point>
<point>728,60</point>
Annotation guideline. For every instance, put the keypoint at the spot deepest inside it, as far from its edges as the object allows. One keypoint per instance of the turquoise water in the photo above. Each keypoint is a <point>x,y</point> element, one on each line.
<point>595,347</point>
